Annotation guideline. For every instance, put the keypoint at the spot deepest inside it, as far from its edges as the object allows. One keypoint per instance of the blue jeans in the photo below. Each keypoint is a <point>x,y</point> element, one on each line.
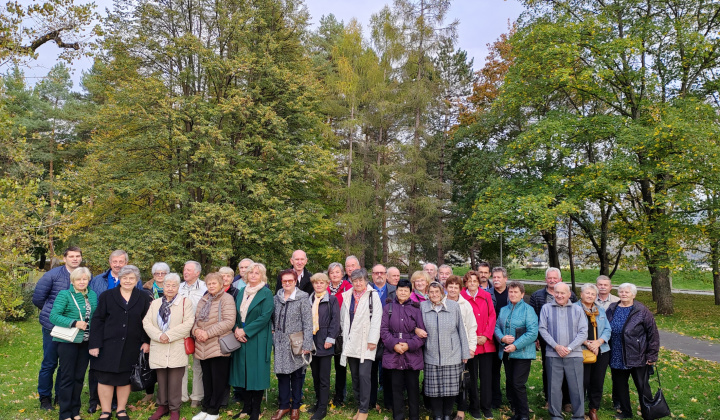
<point>48,365</point>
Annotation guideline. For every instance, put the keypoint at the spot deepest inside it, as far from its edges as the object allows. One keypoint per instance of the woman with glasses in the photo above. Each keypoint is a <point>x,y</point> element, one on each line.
<point>155,289</point>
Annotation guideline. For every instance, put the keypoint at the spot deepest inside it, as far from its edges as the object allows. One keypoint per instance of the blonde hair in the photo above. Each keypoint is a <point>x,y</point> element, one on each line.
<point>320,277</point>
<point>214,277</point>
<point>420,275</point>
<point>78,273</point>
<point>226,270</point>
<point>261,268</point>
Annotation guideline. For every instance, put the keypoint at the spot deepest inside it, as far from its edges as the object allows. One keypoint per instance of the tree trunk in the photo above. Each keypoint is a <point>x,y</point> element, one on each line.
<point>570,255</point>
<point>550,237</point>
<point>715,263</point>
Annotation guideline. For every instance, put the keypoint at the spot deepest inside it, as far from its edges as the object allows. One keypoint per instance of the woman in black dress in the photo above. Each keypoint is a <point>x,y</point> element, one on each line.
<point>116,339</point>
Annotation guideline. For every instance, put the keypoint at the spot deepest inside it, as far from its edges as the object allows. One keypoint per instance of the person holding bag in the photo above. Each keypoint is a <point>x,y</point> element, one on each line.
<point>167,323</point>
<point>293,318</point>
<point>214,318</point>
<point>634,347</point>
<point>597,342</point>
<point>73,308</point>
<point>338,285</point>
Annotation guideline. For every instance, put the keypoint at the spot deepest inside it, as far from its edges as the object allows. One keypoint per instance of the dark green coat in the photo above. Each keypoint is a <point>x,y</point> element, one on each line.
<point>64,312</point>
<point>250,365</point>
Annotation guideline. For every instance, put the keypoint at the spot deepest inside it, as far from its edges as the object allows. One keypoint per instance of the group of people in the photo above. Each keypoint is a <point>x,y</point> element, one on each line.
<point>457,330</point>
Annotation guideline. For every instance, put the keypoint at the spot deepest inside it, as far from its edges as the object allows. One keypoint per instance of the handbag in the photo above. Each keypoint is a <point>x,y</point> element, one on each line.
<point>141,375</point>
<point>464,382</point>
<point>229,343</point>
<point>189,341</point>
<point>589,357</point>
<point>296,342</point>
<point>64,333</point>
<point>656,407</point>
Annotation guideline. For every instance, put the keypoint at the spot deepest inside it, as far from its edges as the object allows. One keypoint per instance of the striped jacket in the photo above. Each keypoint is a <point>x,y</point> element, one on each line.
<point>564,325</point>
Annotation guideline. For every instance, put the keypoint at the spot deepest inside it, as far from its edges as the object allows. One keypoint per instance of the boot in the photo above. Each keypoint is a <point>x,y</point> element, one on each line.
<point>280,414</point>
<point>161,411</point>
<point>592,414</point>
<point>295,414</point>
<point>174,415</point>
<point>320,413</point>
<point>45,404</point>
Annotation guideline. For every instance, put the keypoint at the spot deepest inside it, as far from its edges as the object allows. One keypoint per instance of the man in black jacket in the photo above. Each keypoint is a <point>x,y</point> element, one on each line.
<point>298,260</point>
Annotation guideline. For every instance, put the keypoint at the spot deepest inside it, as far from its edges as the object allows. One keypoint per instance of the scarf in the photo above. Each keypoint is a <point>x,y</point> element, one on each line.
<point>316,312</point>
<point>591,314</point>
<point>248,296</point>
<point>85,293</point>
<point>164,311</point>
<point>335,289</point>
<point>357,296</point>
<point>156,290</point>
<point>204,314</point>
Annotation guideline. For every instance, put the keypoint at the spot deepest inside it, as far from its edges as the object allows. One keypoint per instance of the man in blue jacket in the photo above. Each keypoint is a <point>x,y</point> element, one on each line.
<point>46,290</point>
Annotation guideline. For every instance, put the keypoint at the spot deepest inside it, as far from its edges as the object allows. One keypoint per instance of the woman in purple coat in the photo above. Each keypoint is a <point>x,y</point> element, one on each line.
<point>403,356</point>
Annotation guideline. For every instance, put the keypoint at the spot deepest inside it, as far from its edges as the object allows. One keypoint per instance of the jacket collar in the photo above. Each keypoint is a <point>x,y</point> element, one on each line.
<point>134,297</point>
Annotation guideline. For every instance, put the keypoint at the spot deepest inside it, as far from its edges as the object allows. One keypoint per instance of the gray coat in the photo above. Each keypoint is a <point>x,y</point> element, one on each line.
<point>291,316</point>
<point>446,343</point>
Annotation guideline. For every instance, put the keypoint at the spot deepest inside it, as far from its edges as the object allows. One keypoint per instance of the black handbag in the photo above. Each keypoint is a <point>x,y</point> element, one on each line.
<point>141,375</point>
<point>656,407</point>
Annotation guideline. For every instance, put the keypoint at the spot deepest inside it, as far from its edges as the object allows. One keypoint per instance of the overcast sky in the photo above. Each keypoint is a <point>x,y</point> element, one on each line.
<point>481,22</point>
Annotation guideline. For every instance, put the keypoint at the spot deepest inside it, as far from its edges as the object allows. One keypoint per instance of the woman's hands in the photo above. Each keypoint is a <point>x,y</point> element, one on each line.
<point>94,352</point>
<point>240,335</point>
<point>401,348</point>
<point>201,335</point>
<point>420,333</point>
<point>82,325</point>
<point>164,338</point>
<point>145,348</point>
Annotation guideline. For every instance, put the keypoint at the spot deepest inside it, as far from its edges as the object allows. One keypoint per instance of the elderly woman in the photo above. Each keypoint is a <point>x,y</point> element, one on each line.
<point>214,318</point>
<point>154,289</point>
<point>517,329</point>
<point>250,367</point>
<point>634,347</point>
<point>116,339</point>
<point>420,281</point>
<point>336,288</point>
<point>446,350</point>
<point>597,341</point>
<point>403,356</point>
<point>227,275</point>
<point>360,317</point>
<point>326,328</point>
<point>293,313</point>
<point>73,308</point>
<point>168,323</point>
<point>453,287</point>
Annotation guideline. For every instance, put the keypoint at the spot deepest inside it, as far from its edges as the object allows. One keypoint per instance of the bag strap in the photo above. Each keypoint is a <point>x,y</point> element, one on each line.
<point>77,306</point>
<point>657,371</point>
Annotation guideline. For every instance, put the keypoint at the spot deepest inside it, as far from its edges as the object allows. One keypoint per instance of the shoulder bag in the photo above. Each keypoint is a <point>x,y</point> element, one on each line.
<point>67,334</point>
<point>656,407</point>
<point>228,343</point>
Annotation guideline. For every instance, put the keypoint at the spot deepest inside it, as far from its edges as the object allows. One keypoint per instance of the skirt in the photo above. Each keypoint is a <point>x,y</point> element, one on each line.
<point>113,378</point>
<point>442,381</point>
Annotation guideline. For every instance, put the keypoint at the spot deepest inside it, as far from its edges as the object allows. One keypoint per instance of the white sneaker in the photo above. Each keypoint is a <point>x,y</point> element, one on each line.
<point>212,417</point>
<point>201,416</point>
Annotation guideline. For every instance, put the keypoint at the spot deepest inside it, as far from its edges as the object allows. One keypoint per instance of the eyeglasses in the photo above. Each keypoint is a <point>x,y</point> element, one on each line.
<point>160,273</point>
<point>378,272</point>
<point>288,281</point>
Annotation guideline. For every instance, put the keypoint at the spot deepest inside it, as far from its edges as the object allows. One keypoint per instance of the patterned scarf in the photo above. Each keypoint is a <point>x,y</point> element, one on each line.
<point>156,290</point>
<point>165,308</point>
<point>335,289</point>
<point>316,311</point>
<point>357,296</point>
<point>592,313</point>
<point>204,314</point>
<point>247,298</point>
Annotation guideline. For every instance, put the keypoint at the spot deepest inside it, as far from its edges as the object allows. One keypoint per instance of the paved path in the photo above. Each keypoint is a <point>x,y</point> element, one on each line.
<point>641,288</point>
<point>694,347</point>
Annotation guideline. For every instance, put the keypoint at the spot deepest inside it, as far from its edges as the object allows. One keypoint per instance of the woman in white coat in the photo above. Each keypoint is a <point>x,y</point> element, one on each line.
<point>167,323</point>
<point>360,317</point>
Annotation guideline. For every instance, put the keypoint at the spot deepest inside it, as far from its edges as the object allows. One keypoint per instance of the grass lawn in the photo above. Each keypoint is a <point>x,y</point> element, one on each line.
<point>692,387</point>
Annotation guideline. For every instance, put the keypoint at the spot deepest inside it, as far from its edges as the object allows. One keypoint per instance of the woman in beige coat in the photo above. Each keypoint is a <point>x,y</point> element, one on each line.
<point>214,318</point>
<point>167,323</point>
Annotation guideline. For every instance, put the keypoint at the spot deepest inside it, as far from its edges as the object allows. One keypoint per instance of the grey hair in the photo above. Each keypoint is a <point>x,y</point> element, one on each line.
<point>360,273</point>
<point>160,266</point>
<point>589,286</point>
<point>502,270</point>
<point>551,269</point>
<point>78,273</point>
<point>335,265</point>
<point>602,277</point>
<point>444,266</point>
<point>431,264</point>
<point>226,270</point>
<point>119,252</point>
<point>393,268</point>
<point>352,257</point>
<point>243,260</point>
<point>129,269</point>
<point>172,277</point>
<point>198,267</point>
<point>632,287</point>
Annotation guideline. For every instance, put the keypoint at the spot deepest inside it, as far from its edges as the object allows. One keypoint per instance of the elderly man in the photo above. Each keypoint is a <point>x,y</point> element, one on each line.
<point>444,273</point>
<point>351,264</point>
<point>393,276</point>
<point>483,270</point>
<point>431,270</point>
<point>604,297</point>
<point>298,260</point>
<point>499,293</point>
<point>563,326</point>
<point>242,267</point>
<point>193,288</point>
<point>46,290</point>
<point>100,283</point>
<point>386,292</point>
<point>537,300</point>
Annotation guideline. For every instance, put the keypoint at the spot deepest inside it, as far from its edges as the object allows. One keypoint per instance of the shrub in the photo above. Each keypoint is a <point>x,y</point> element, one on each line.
<point>7,332</point>
<point>25,309</point>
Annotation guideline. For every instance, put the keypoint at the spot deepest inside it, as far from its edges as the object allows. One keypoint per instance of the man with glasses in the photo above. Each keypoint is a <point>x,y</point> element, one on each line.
<point>386,293</point>
<point>483,270</point>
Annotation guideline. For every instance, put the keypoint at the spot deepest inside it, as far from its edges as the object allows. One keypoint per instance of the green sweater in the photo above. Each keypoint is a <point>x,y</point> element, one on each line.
<point>64,313</point>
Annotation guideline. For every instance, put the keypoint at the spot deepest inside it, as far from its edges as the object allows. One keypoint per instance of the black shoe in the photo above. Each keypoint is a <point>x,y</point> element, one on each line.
<point>45,404</point>
<point>476,415</point>
<point>313,408</point>
<point>319,414</point>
